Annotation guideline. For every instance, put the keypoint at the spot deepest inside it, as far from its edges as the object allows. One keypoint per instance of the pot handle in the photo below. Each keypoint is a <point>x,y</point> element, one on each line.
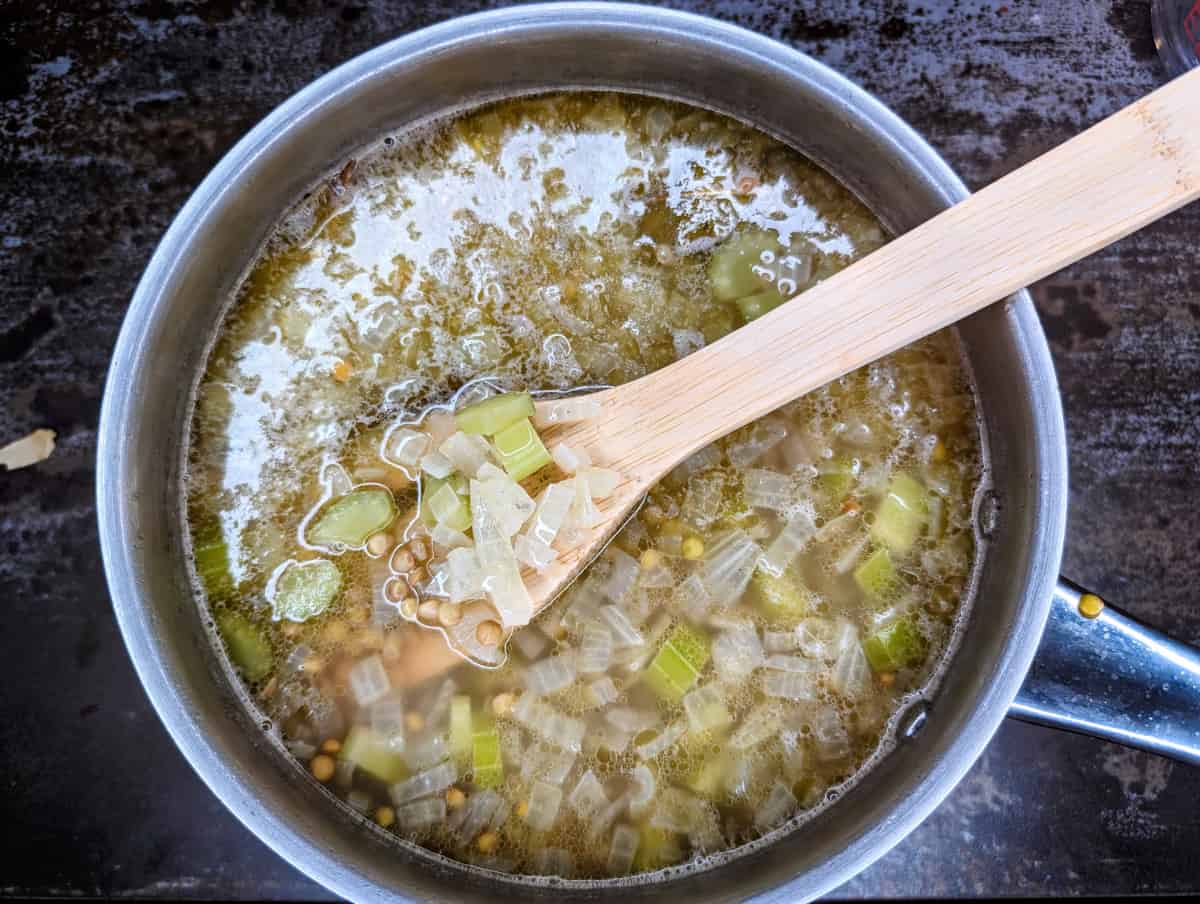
<point>1100,672</point>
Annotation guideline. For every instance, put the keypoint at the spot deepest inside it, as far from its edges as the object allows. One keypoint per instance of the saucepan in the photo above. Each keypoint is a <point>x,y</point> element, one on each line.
<point>1033,647</point>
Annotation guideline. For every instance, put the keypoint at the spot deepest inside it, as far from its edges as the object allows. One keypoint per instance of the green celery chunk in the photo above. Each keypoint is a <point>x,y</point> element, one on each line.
<point>895,646</point>
<point>305,590</point>
<point>247,644</point>
<point>211,557</point>
<point>657,848</point>
<point>678,663</point>
<point>877,577</point>
<point>731,268</point>
<point>372,754</point>
<point>901,515</point>
<point>754,306</point>
<point>487,766</point>
<point>521,449</point>
<point>429,489</point>
<point>461,741</point>
<point>837,476</point>
<point>492,415</point>
<point>783,598</point>
<point>450,509</point>
<point>349,520</point>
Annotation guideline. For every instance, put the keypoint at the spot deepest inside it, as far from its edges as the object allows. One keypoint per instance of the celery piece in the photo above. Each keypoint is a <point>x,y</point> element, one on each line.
<point>349,520</point>
<point>305,590</point>
<point>678,663</point>
<point>247,644</point>
<point>895,646</point>
<point>487,767</point>
<point>754,306</point>
<point>709,779</point>
<point>731,268</point>
<point>877,577</point>
<point>450,509</point>
<point>657,848</point>
<point>782,598</point>
<point>837,476</point>
<point>521,450</point>
<point>901,515</point>
<point>492,415</point>
<point>461,740</point>
<point>372,754</point>
<point>211,557</point>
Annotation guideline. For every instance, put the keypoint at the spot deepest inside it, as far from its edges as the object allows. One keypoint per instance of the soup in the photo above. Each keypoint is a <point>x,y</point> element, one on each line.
<point>738,650</point>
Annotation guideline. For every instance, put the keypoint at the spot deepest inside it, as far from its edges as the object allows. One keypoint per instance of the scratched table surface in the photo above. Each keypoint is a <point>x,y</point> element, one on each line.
<point>112,113</point>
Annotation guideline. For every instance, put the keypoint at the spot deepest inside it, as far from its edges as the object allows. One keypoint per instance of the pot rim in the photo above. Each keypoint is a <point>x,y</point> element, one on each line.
<point>136,615</point>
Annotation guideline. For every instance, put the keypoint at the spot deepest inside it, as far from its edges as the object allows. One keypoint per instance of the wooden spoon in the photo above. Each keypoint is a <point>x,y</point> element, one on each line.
<point>1130,169</point>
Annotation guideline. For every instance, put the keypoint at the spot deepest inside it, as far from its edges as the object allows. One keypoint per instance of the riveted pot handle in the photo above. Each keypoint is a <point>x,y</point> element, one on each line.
<point>1102,673</point>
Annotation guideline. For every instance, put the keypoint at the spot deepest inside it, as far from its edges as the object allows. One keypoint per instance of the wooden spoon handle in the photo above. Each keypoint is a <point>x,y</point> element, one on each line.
<point>1119,175</point>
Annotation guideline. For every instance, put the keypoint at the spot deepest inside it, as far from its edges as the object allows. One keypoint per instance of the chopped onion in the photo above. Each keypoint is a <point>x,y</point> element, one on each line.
<point>588,795</point>
<point>533,552</point>
<point>845,563</point>
<point>693,598</point>
<point>565,411</point>
<point>621,851</point>
<point>466,452</point>
<point>706,458</point>
<point>601,692</point>
<point>463,635</point>
<point>504,500</point>
<point>792,539</point>
<point>705,708</point>
<point>554,861</point>
<point>767,489</point>
<point>702,503</point>
<point>851,673</point>
<point>503,583</point>
<point>547,763</point>
<point>781,662</point>
<point>553,506</point>
<point>425,751</point>
<point>644,788</point>
<point>781,641</point>
<point>675,811</point>
<point>686,342</point>
<point>405,446</point>
<point>795,763</point>
<point>359,800</point>
<point>779,805</point>
<point>584,513</point>
<point>657,577</point>
<point>423,814</point>
<point>386,718</point>
<point>756,726</point>
<point>544,802</point>
<point>369,680</point>
<point>622,576</point>
<point>788,685</point>
<point>624,634</point>
<point>728,566</point>
<point>435,464</point>
<point>480,810</point>
<point>531,641</point>
<point>764,436</point>
<point>631,720</point>
<point>662,741</point>
<point>595,649</point>
<point>546,676</point>
<point>570,459</point>
<point>603,735</point>
<point>448,537</point>
<point>602,820</point>
<point>601,481</point>
<point>816,637</point>
<point>431,781</point>
<point>464,577</point>
<point>548,723</point>
<point>737,652</point>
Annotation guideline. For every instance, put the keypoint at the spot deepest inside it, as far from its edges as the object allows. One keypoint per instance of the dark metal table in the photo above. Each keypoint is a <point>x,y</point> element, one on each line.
<point>113,113</point>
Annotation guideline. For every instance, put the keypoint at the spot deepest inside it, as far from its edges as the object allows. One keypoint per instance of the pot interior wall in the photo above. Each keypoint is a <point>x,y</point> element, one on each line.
<point>460,65</point>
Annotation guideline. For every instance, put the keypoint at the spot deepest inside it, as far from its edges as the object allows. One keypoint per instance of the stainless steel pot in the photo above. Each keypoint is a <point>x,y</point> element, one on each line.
<point>1108,675</point>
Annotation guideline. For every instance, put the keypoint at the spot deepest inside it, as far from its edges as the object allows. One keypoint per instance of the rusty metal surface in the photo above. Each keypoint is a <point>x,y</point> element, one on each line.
<point>112,113</point>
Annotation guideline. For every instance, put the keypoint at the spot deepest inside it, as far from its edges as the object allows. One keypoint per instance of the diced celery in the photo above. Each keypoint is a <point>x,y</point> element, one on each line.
<point>678,663</point>
<point>247,643</point>
<point>211,557</point>
<point>450,509</point>
<point>901,515</point>
<point>754,306</point>
<point>372,754</point>
<point>521,450</point>
<point>877,577</point>
<point>351,519</point>
<point>895,646</point>
<point>782,598</point>
<point>492,415</point>
<point>461,733</point>
<point>305,590</point>
<point>837,476</point>
<point>731,269</point>
<point>487,766</point>
<point>657,848</point>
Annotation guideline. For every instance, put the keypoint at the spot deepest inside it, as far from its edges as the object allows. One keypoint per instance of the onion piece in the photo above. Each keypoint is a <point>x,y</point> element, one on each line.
<point>565,411</point>
<point>621,851</point>
<point>729,565</point>
<point>789,543</point>
<point>544,802</point>
<point>779,805</point>
<point>369,680</point>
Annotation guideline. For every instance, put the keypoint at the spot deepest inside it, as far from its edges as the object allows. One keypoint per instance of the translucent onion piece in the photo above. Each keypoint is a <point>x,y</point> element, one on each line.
<point>659,577</point>
<point>502,573</point>
<point>544,802</point>
<point>705,832</point>
<point>530,641</point>
<point>533,552</point>
<point>466,452</point>
<point>423,814</point>
<point>552,674</point>
<point>737,652</point>
<point>548,723</point>
<point>553,506</point>
<point>781,662</point>
<point>693,598</point>
<point>435,464</point>
<point>547,763</point>
<point>829,736</point>
<point>570,459</point>
<point>675,811</point>
<point>622,577</point>
<point>781,641</point>
<point>624,634</point>
<point>728,566</point>
<point>464,576</point>
<point>661,742</point>
<point>437,708</point>
<point>795,762</point>
<point>767,489</point>
<point>386,718</point>
<point>584,513</point>
<point>764,436</point>
<point>504,500</point>
<point>368,680</point>
<point>605,736</point>
<point>480,810</point>
<point>565,411</point>
<point>426,750</point>
<point>587,796</point>
<point>792,539</point>
<point>788,685</point>
<point>686,342</point>
<point>850,557</point>
<point>626,718</point>
<point>760,723</point>
<point>705,708</point>
<point>595,649</point>
<point>463,635</point>
<point>816,636</point>
<point>706,458</point>
<point>601,692</point>
<point>406,447</point>
<point>644,788</point>
<point>702,503</point>
<point>601,481</point>
<point>554,861</point>
<point>602,820</point>
<point>654,635</point>
<point>779,805</point>
<point>621,851</point>
<point>851,673</point>
<point>431,781</point>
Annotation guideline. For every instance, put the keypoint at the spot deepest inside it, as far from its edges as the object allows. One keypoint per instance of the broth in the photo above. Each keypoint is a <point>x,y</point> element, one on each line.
<point>739,648</point>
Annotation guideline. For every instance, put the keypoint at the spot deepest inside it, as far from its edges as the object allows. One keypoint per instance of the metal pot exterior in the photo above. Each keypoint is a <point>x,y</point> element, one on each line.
<point>460,64</point>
